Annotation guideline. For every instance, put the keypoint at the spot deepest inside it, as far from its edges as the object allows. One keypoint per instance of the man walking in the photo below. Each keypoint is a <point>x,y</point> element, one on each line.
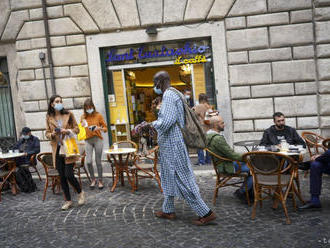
<point>177,177</point>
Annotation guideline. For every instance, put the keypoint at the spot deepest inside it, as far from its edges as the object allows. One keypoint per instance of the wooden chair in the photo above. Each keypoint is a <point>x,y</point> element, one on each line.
<point>122,144</point>
<point>326,143</point>
<point>224,179</point>
<point>7,169</point>
<point>273,175</point>
<point>81,165</point>
<point>140,169</point>
<point>33,165</point>
<point>51,173</point>
<point>313,143</point>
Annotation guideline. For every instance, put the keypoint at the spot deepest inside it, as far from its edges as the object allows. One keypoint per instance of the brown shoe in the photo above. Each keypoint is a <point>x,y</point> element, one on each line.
<point>202,221</point>
<point>169,216</point>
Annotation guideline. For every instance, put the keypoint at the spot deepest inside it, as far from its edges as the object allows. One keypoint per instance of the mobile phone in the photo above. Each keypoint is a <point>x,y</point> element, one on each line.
<point>92,128</point>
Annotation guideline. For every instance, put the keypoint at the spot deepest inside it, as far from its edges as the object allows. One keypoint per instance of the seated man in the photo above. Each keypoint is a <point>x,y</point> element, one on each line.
<point>320,164</point>
<point>28,144</point>
<point>279,131</point>
<point>216,143</point>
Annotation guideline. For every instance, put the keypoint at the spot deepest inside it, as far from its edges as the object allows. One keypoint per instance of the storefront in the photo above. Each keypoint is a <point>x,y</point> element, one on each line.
<point>127,71</point>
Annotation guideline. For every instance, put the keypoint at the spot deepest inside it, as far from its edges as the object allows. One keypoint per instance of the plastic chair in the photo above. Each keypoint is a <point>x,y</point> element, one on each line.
<point>224,179</point>
<point>273,175</point>
<point>52,175</point>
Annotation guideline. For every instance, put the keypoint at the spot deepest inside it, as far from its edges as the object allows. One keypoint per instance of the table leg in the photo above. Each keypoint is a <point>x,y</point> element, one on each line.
<point>116,176</point>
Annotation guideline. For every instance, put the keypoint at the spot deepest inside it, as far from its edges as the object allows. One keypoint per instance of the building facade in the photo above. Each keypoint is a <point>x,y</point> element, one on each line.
<point>260,57</point>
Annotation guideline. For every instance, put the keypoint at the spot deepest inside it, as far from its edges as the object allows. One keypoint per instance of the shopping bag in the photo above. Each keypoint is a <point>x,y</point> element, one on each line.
<point>70,145</point>
<point>82,132</point>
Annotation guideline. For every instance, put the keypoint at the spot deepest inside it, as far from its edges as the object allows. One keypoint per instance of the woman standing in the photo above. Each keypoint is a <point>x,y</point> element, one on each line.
<point>61,122</point>
<point>95,124</point>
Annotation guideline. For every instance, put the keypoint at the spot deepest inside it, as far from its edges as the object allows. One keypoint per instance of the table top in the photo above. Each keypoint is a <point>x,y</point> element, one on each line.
<point>11,155</point>
<point>247,143</point>
<point>120,151</point>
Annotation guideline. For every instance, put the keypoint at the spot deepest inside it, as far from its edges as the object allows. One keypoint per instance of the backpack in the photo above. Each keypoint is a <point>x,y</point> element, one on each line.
<point>24,180</point>
<point>192,132</point>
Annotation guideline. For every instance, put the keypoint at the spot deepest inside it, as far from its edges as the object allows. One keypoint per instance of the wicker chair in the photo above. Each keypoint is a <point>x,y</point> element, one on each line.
<point>224,179</point>
<point>7,169</point>
<point>33,165</point>
<point>273,177</point>
<point>314,143</point>
<point>81,165</point>
<point>326,143</point>
<point>51,173</point>
<point>145,170</point>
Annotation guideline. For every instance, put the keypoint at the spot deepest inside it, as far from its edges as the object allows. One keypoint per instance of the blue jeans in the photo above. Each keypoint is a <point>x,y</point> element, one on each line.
<point>201,159</point>
<point>249,181</point>
<point>316,171</point>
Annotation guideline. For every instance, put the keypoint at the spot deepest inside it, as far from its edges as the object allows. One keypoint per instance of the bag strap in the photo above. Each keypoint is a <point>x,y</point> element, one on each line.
<point>208,143</point>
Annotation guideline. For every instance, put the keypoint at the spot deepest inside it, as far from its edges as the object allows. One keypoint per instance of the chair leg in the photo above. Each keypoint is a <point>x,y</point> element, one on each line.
<point>79,177</point>
<point>247,193</point>
<point>45,189</point>
<point>256,199</point>
<point>36,170</point>
<point>288,221</point>
<point>215,194</point>
<point>1,186</point>
<point>86,172</point>
<point>158,181</point>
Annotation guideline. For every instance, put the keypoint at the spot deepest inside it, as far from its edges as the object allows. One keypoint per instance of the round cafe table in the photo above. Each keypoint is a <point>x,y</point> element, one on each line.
<point>248,143</point>
<point>121,157</point>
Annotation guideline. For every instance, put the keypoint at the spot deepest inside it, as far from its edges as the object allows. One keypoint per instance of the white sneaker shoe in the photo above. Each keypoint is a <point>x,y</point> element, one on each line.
<point>67,205</point>
<point>81,198</point>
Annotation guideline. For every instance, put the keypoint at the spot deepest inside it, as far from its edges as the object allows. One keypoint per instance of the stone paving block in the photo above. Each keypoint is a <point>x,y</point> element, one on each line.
<point>240,92</point>
<point>197,10</point>
<point>297,34</point>
<point>297,105</point>
<point>323,50</point>
<point>144,7</point>
<point>237,57</point>
<point>70,55</point>
<point>220,8</point>
<point>99,9</point>
<point>57,41</point>
<point>300,70</point>
<point>303,52</point>
<point>270,55</point>
<point>268,19</point>
<point>73,87</point>
<point>81,17</point>
<point>252,108</point>
<point>24,75</point>
<point>248,7</point>
<point>308,122</point>
<point>324,86</point>
<point>325,104</point>
<point>250,74</point>
<point>301,16</point>
<point>75,39</point>
<point>324,69</point>
<point>14,24</point>
<point>243,125</point>
<point>247,39</point>
<point>322,31</point>
<point>272,90</point>
<point>79,70</point>
<point>305,88</point>
<point>129,18</point>
<point>282,5</point>
<point>235,22</point>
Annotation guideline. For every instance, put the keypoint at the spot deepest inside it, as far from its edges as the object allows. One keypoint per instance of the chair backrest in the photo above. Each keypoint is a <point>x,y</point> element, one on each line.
<point>46,159</point>
<point>268,163</point>
<point>126,144</point>
<point>216,159</point>
<point>326,143</point>
<point>313,142</point>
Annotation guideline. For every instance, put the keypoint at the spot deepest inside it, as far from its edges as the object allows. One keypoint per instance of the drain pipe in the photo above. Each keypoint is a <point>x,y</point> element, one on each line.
<point>49,52</point>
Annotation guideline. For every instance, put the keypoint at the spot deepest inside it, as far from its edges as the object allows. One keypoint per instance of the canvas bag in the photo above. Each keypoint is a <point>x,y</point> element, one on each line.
<point>82,132</point>
<point>192,132</point>
<point>70,145</point>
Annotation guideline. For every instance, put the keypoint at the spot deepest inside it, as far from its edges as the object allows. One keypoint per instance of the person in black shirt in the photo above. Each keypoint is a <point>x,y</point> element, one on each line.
<point>279,131</point>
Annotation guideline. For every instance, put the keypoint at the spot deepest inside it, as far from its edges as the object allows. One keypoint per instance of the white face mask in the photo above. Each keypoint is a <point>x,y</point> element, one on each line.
<point>187,97</point>
<point>89,111</point>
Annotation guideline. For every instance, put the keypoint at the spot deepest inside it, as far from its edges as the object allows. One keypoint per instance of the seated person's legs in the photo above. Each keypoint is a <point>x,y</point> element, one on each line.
<point>244,168</point>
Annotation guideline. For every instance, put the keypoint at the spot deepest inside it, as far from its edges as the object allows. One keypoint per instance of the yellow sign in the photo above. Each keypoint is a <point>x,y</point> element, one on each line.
<point>196,60</point>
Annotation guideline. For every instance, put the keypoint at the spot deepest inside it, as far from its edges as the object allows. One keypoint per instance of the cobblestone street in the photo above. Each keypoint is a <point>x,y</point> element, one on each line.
<point>126,220</point>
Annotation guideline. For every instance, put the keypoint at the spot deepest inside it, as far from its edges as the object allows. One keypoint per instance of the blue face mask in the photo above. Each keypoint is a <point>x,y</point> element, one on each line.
<point>26,136</point>
<point>89,111</point>
<point>58,106</point>
<point>157,91</point>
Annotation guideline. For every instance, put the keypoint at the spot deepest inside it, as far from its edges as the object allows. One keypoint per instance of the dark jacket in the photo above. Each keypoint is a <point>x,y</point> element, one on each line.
<point>218,144</point>
<point>30,146</point>
<point>324,158</point>
<point>272,136</point>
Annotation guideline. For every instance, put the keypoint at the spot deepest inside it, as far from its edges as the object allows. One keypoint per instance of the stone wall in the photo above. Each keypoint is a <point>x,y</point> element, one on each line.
<point>278,54</point>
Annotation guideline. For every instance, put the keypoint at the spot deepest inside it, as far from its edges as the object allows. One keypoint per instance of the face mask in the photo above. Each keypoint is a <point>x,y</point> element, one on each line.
<point>157,91</point>
<point>89,111</point>
<point>26,137</point>
<point>58,106</point>
<point>187,97</point>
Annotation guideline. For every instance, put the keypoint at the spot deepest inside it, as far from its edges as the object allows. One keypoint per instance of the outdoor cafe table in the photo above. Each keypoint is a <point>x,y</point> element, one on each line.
<point>11,158</point>
<point>247,143</point>
<point>121,164</point>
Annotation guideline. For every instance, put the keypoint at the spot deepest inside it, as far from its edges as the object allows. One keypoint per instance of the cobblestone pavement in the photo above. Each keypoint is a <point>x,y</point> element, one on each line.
<point>126,220</point>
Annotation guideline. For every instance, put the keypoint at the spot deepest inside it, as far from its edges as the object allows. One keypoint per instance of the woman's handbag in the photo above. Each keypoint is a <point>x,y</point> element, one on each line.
<point>82,132</point>
<point>70,145</point>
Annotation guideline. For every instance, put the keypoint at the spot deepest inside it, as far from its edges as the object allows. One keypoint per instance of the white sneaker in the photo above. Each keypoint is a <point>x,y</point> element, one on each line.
<point>81,198</point>
<point>67,205</point>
